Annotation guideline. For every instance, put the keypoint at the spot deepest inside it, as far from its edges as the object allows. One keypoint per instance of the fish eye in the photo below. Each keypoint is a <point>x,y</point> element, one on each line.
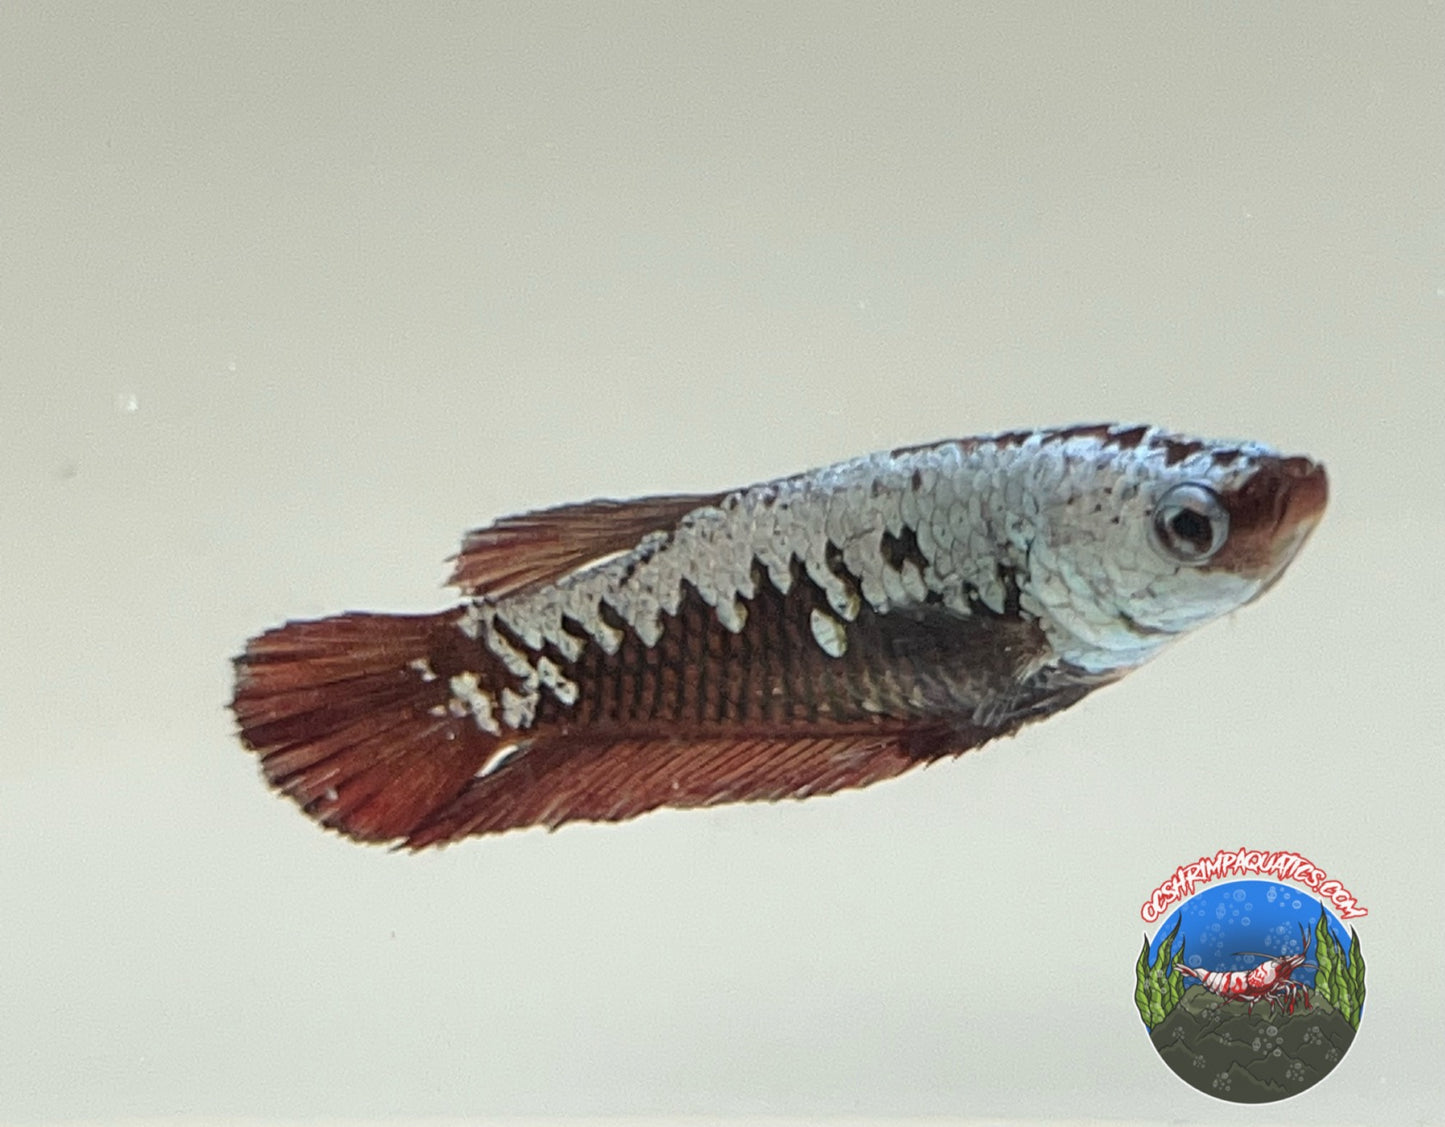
<point>1190,524</point>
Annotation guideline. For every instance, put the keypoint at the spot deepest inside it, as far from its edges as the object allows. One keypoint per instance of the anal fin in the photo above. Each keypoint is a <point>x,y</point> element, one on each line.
<point>562,779</point>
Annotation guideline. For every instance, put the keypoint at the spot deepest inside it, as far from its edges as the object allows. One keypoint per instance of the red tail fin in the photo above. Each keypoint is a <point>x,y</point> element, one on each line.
<point>351,722</point>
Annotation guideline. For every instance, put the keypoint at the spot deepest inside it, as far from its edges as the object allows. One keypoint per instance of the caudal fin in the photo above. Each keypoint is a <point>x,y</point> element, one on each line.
<point>350,719</point>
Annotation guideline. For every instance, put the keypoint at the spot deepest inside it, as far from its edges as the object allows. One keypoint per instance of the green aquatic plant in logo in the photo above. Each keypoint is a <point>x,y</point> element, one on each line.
<point>1158,985</point>
<point>1340,979</point>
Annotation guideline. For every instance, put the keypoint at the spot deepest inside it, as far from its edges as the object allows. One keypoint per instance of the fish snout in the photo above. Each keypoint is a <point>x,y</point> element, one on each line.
<point>1304,495</point>
<point>1271,516</point>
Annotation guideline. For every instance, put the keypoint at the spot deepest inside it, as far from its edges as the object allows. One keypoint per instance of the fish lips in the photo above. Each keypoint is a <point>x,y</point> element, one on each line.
<point>1270,517</point>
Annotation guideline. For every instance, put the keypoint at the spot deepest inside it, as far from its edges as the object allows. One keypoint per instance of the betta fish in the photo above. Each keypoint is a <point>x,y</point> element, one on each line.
<point>789,639</point>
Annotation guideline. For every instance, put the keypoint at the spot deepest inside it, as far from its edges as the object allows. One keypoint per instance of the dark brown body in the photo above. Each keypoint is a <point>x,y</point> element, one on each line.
<point>704,716</point>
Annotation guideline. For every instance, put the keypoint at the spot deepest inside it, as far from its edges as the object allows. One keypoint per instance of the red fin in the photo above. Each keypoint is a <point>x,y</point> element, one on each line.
<point>562,780</point>
<point>525,551</point>
<point>349,730</point>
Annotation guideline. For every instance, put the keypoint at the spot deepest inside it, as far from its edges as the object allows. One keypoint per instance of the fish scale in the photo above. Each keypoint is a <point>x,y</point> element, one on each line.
<point>797,637</point>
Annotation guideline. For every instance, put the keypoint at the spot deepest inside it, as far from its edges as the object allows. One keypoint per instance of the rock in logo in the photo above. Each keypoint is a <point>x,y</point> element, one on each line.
<point>1251,990</point>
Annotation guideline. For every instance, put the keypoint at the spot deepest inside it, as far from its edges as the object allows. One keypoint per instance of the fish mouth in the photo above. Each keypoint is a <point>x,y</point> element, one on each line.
<point>1303,499</point>
<point>1301,505</point>
<point>1271,516</point>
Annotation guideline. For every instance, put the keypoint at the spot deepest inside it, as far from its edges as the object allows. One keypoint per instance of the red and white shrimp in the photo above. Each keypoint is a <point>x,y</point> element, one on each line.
<point>1270,981</point>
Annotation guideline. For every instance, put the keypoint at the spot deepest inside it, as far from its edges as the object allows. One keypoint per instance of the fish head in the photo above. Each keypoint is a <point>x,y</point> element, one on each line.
<point>1148,536</point>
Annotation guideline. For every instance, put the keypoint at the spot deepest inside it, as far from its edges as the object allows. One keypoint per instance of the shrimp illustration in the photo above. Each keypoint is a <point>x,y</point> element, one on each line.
<point>1270,981</point>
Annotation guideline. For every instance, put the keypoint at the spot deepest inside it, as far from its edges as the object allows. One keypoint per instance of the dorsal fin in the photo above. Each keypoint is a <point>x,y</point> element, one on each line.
<point>529,550</point>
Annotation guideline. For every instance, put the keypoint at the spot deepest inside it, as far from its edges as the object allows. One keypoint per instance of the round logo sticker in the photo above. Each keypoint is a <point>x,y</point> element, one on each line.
<point>1251,990</point>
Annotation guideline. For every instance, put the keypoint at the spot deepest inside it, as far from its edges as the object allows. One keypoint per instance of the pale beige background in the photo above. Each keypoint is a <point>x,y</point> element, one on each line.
<point>292,295</point>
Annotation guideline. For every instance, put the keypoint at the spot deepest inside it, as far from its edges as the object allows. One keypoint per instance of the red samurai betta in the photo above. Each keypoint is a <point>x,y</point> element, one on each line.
<point>794,638</point>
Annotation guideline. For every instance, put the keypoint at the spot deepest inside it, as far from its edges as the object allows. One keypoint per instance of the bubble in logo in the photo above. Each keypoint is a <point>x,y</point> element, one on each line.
<point>1251,990</point>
